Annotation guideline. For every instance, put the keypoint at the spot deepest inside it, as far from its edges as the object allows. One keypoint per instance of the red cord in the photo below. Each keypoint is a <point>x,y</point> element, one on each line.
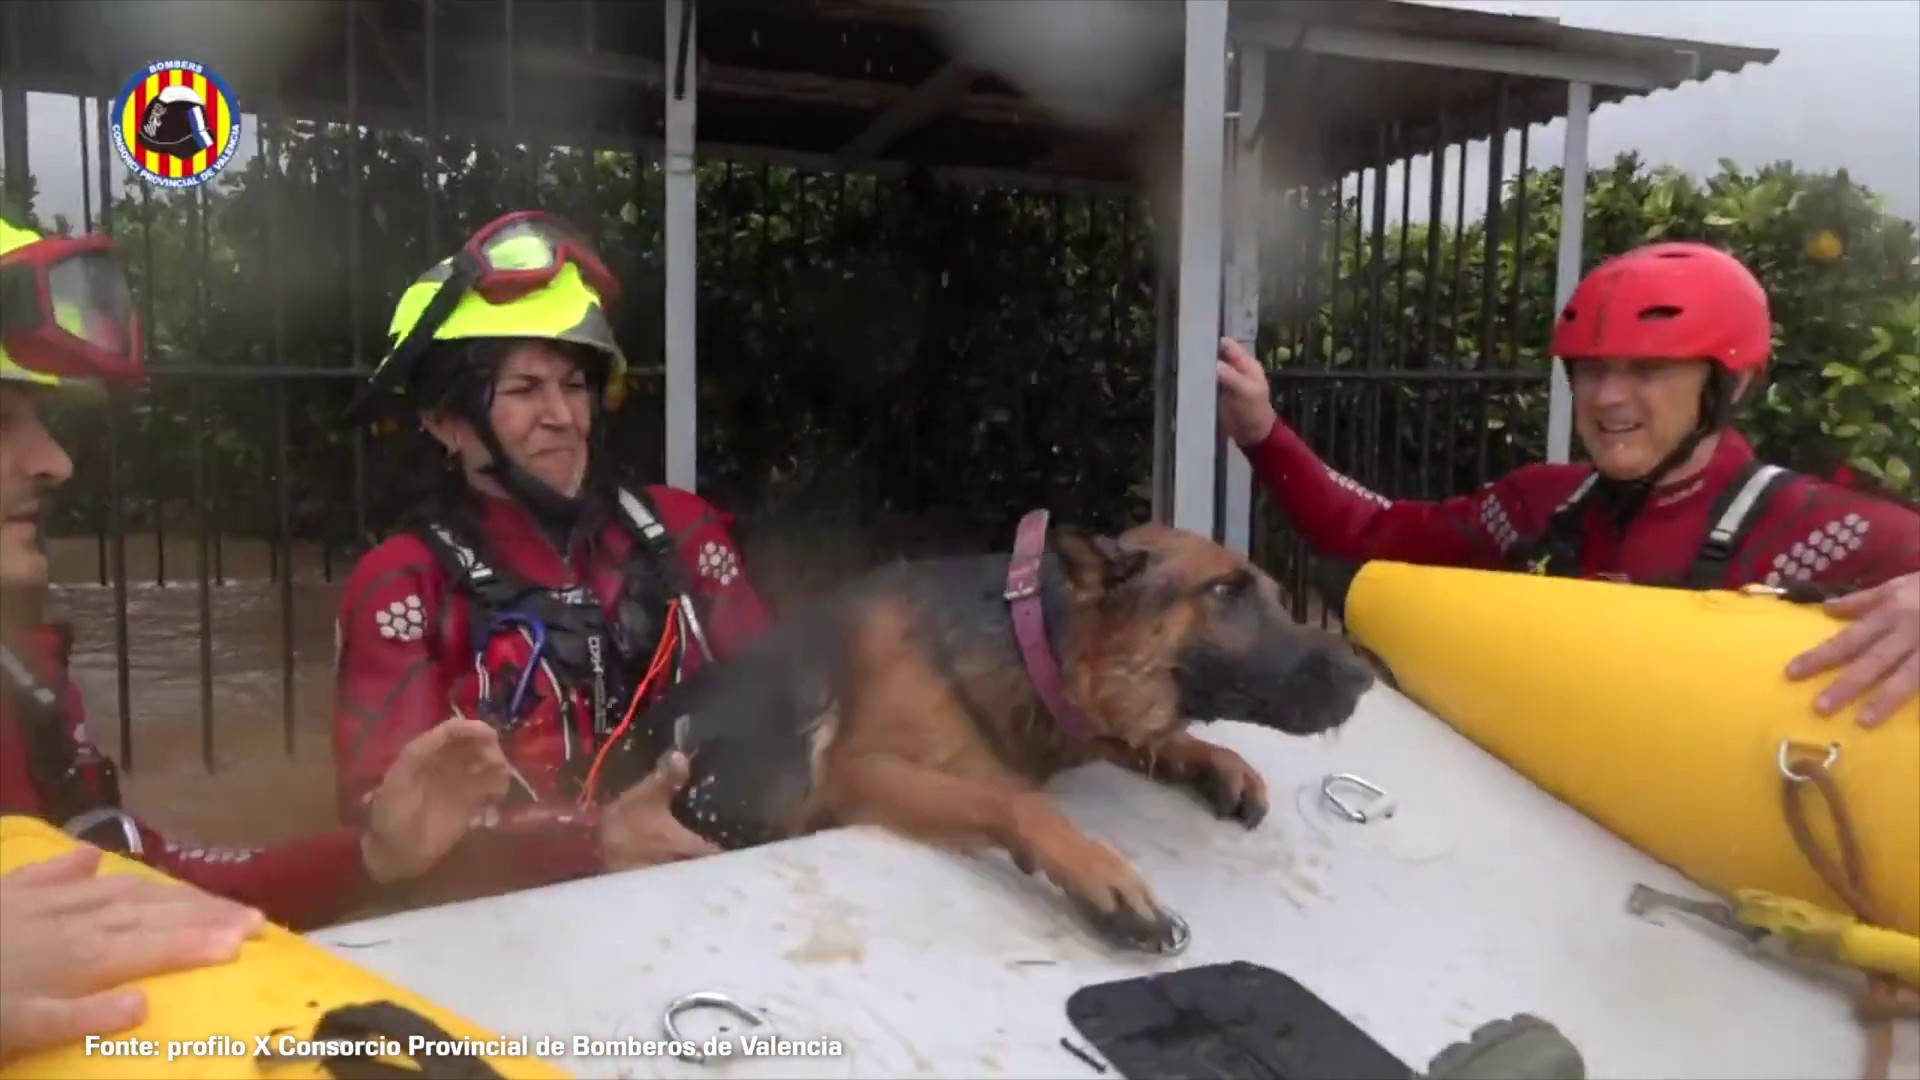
<point>660,654</point>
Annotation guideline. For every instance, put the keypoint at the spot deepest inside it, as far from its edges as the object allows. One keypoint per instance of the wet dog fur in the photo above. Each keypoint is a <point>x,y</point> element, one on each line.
<point>903,701</point>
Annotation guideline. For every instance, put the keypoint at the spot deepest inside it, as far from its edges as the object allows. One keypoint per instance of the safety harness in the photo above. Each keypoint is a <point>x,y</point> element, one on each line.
<point>1556,552</point>
<point>87,808</point>
<point>566,626</point>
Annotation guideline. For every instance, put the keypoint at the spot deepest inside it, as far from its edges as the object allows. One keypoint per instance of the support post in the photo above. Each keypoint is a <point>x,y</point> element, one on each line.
<point>1203,139</point>
<point>682,191</point>
<point>1573,222</point>
<point>1244,230</point>
<point>1165,353</point>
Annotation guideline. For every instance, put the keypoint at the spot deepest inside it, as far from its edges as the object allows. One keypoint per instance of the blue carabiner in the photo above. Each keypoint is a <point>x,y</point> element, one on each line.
<point>538,631</point>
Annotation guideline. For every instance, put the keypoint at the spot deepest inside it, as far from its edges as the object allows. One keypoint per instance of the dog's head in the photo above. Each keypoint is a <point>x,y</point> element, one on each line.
<point>1169,627</point>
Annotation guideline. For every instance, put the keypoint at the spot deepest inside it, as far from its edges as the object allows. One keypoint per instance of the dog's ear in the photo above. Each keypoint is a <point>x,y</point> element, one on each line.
<point>1095,564</point>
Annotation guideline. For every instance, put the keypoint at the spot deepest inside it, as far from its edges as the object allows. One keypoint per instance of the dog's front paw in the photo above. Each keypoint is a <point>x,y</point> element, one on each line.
<point>1156,930</point>
<point>1099,881</point>
<point>1234,789</point>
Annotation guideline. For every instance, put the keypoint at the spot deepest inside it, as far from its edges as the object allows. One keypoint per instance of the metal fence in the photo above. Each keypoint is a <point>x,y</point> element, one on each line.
<point>930,360</point>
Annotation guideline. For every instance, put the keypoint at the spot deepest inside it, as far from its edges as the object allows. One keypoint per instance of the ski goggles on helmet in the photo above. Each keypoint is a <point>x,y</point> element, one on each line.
<point>66,311</point>
<point>506,260</point>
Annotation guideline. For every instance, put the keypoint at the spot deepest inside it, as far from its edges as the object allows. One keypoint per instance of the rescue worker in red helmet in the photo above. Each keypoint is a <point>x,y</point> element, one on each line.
<point>1660,345</point>
<point>68,324</point>
<point>531,587</point>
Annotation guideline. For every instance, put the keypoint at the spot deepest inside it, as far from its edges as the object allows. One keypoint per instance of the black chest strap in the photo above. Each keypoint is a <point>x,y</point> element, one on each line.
<point>553,617</point>
<point>1738,509</point>
<point>647,531</point>
<point>86,808</point>
<point>1556,551</point>
<point>573,611</point>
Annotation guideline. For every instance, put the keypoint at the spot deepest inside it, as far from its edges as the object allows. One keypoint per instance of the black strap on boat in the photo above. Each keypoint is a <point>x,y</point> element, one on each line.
<point>391,1020</point>
<point>1732,518</point>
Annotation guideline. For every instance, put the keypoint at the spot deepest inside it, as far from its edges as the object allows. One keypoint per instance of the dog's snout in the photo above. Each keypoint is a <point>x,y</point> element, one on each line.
<point>1337,672</point>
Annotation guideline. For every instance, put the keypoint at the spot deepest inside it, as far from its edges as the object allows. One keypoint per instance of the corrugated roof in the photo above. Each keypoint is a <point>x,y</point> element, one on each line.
<point>1336,85</point>
<point>803,78</point>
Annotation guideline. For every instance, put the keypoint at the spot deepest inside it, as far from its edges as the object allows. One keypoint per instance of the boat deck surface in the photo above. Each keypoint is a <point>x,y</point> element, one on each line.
<point>1481,897</point>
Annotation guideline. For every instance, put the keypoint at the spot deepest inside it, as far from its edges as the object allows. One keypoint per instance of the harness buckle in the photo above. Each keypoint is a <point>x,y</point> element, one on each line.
<point>81,824</point>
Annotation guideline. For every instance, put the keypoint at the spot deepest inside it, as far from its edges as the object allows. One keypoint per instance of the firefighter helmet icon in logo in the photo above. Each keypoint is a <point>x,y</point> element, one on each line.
<point>176,124</point>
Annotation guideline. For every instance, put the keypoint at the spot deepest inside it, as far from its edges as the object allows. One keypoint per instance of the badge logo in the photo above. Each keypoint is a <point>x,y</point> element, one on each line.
<point>176,124</point>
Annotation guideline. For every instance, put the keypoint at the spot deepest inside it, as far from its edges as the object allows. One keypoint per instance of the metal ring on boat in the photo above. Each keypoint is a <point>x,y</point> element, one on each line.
<point>1788,770</point>
<point>705,999</point>
<point>1182,934</point>
<point>1382,802</point>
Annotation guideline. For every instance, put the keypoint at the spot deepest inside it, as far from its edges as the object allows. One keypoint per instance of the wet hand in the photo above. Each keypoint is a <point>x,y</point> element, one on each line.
<point>70,941</point>
<point>442,782</point>
<point>1246,402</point>
<point>1878,654</point>
<point>639,829</point>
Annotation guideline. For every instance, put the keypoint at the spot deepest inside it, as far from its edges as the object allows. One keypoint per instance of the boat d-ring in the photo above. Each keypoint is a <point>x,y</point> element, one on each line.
<point>1792,772</point>
<point>1182,935</point>
<point>1382,806</point>
<point>706,999</point>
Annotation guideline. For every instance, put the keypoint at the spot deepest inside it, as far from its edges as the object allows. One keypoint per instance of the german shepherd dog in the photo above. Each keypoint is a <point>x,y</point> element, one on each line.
<point>913,698</point>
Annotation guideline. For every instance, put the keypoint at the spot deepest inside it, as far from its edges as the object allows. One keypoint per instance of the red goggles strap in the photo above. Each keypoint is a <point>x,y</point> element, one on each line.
<point>525,250</point>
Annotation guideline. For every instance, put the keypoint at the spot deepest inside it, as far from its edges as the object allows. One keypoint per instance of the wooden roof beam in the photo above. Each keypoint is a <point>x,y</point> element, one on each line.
<point>936,94</point>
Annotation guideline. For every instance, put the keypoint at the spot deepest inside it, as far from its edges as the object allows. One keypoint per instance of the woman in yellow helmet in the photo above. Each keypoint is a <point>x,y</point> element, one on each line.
<point>66,940</point>
<point>532,588</point>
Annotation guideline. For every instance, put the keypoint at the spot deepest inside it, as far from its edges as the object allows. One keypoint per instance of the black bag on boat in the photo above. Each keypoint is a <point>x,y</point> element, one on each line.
<point>1236,1020</point>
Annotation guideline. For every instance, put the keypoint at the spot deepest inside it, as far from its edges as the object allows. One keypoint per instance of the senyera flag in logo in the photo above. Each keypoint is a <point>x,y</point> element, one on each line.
<point>176,124</point>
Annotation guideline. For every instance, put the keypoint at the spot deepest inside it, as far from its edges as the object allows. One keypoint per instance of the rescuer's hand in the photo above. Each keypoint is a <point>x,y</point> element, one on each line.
<point>442,782</point>
<point>639,829</point>
<point>1246,401</point>
<point>71,941</point>
<point>1878,654</point>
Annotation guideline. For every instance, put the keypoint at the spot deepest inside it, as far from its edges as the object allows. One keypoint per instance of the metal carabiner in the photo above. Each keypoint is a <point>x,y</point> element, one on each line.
<point>1182,935</point>
<point>1383,804</point>
<point>706,999</point>
<point>537,634</point>
<point>692,619</point>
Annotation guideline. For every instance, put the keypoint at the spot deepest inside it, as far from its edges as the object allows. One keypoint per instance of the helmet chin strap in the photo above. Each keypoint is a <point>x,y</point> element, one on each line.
<point>556,513</point>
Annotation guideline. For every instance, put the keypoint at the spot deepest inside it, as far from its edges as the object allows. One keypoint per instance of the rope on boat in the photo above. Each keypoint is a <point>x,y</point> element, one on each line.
<point>1882,1003</point>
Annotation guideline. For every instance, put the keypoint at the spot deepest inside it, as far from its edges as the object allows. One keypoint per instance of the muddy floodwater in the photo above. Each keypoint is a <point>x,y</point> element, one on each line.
<point>256,793</point>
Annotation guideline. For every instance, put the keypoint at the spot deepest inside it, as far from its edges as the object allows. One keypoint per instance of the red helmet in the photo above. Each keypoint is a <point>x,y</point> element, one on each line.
<point>1671,301</point>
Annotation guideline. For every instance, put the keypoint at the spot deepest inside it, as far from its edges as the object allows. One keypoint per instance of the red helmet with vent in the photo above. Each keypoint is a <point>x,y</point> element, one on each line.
<point>1678,301</point>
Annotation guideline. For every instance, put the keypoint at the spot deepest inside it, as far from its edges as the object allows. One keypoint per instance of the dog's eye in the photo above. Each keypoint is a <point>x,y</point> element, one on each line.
<point>1228,587</point>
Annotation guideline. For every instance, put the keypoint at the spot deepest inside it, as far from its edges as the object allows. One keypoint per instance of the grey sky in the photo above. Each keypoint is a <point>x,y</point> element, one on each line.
<point>1845,91</point>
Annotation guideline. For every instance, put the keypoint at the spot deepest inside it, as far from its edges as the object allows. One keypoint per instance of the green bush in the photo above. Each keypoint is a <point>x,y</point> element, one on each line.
<point>929,348</point>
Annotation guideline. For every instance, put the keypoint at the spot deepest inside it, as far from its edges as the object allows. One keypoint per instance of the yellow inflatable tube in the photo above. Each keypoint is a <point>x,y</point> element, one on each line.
<point>282,984</point>
<point>1660,713</point>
